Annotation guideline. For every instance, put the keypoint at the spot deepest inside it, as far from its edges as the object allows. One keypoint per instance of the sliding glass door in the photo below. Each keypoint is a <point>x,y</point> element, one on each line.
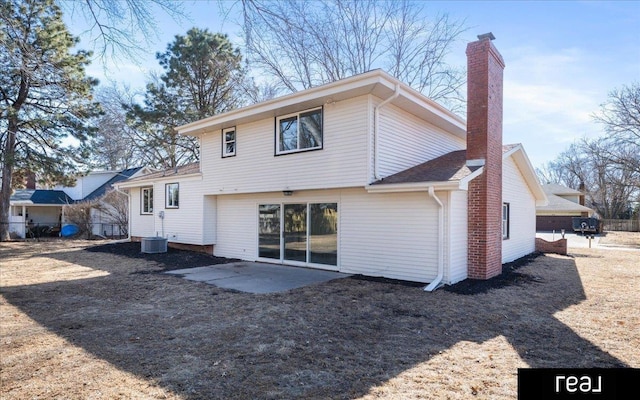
<point>269,231</point>
<point>323,233</point>
<point>294,232</point>
<point>308,233</point>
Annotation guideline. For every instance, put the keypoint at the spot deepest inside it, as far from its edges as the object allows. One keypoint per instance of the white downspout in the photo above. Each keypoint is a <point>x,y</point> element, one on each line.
<point>117,189</point>
<point>376,114</point>
<point>434,284</point>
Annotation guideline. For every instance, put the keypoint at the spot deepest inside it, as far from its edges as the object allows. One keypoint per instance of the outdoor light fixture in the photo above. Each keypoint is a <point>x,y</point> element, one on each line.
<point>287,192</point>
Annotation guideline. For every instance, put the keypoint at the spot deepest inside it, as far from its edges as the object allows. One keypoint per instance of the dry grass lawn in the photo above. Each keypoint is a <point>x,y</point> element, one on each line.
<point>625,239</point>
<point>84,325</point>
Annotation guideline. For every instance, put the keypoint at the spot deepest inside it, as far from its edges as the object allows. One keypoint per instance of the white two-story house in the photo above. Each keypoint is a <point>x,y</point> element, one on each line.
<point>364,175</point>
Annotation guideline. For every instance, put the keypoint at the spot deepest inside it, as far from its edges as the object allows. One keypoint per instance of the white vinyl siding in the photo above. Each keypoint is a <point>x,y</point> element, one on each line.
<point>389,235</point>
<point>406,141</point>
<point>342,162</point>
<point>180,225</point>
<point>383,235</point>
<point>237,226</point>
<point>141,225</point>
<point>457,235</point>
<point>522,214</point>
<point>209,219</point>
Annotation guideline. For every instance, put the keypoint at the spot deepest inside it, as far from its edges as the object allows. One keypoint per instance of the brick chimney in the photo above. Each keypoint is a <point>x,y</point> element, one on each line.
<point>581,199</point>
<point>484,148</point>
<point>30,180</point>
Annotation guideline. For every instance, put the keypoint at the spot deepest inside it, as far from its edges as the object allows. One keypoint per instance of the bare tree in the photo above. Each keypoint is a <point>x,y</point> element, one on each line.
<point>114,146</point>
<point>122,28</point>
<point>620,117</point>
<point>304,44</point>
<point>79,214</point>
<point>612,189</point>
<point>114,206</point>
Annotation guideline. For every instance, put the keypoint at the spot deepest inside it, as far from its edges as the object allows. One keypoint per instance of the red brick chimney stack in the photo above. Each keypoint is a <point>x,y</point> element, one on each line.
<point>484,147</point>
<point>30,180</point>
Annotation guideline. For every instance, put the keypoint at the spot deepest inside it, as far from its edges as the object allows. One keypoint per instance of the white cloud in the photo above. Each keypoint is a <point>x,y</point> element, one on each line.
<point>548,101</point>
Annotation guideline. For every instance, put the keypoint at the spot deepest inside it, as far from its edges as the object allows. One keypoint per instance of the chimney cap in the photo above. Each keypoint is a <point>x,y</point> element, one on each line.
<point>486,36</point>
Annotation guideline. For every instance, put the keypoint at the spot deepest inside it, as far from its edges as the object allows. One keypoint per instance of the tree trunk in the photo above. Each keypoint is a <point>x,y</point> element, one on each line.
<point>7,173</point>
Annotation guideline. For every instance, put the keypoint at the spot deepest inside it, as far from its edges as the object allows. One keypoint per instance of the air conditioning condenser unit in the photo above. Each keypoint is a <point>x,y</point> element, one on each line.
<point>154,244</point>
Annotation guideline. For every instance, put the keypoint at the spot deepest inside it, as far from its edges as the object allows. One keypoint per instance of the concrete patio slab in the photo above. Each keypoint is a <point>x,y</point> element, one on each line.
<point>258,278</point>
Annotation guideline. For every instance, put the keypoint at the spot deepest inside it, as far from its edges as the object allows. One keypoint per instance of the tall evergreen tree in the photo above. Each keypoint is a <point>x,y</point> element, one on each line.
<point>203,76</point>
<point>45,96</point>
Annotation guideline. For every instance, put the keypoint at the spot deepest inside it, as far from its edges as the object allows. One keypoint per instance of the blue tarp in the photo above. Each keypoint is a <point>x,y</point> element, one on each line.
<point>69,230</point>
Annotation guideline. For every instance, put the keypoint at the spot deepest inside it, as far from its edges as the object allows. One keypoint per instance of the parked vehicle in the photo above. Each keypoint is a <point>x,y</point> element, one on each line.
<point>586,225</point>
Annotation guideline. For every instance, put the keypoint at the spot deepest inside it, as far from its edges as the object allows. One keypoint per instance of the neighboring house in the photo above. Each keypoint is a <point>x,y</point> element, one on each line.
<point>564,204</point>
<point>37,212</point>
<point>41,211</point>
<point>102,221</point>
<point>364,175</point>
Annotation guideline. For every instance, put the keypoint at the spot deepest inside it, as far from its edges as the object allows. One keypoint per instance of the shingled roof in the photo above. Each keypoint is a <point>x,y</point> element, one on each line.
<point>167,173</point>
<point>449,167</point>
<point>52,197</point>
<point>120,176</point>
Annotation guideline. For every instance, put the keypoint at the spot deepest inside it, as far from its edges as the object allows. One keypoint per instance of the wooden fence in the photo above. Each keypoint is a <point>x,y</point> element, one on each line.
<point>627,225</point>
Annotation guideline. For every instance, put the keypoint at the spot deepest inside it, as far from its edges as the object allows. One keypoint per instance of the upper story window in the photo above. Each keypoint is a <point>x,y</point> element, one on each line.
<point>171,195</point>
<point>146,201</point>
<point>505,221</point>
<point>229,142</point>
<point>299,132</point>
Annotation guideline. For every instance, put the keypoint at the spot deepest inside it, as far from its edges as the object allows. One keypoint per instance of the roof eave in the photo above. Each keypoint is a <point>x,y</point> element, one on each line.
<point>413,187</point>
<point>376,82</point>
<point>139,182</point>
<point>528,172</point>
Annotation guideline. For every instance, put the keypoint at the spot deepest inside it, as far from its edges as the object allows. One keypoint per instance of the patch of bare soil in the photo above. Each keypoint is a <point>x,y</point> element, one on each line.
<point>79,324</point>
<point>509,276</point>
<point>171,260</point>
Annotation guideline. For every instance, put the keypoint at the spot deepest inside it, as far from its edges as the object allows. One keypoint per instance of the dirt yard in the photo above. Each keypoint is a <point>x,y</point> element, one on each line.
<point>105,324</point>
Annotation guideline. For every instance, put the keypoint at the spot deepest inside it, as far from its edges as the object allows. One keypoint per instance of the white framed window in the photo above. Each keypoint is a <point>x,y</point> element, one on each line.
<point>171,196</point>
<point>229,142</point>
<point>146,200</point>
<point>505,221</point>
<point>299,132</point>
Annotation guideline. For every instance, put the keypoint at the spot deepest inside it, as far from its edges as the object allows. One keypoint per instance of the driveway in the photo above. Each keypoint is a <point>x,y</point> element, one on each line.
<point>573,240</point>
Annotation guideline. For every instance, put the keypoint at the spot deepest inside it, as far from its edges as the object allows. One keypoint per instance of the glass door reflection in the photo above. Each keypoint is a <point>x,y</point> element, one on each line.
<point>295,232</point>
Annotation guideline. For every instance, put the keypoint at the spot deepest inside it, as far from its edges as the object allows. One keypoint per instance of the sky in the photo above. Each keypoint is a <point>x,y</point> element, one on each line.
<point>562,59</point>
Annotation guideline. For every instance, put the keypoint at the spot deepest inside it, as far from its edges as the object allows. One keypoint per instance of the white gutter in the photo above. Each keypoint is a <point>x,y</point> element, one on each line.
<point>414,187</point>
<point>376,115</point>
<point>117,189</point>
<point>434,284</point>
